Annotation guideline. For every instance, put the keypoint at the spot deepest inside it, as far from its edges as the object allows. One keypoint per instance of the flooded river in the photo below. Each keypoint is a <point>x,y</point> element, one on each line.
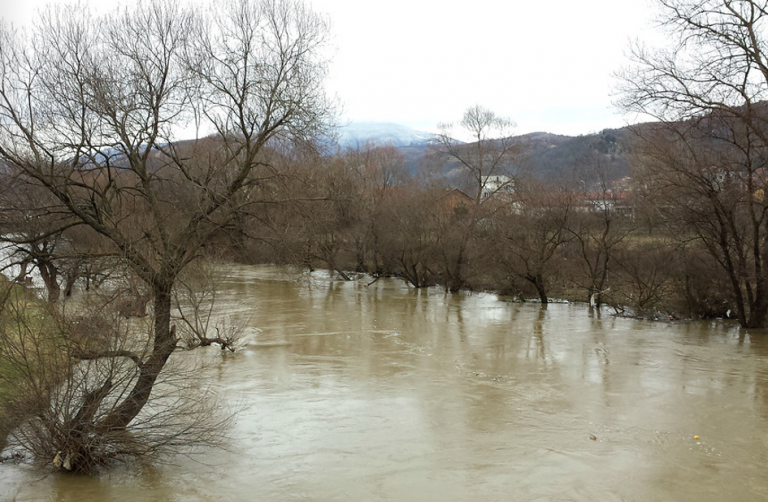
<point>355,393</point>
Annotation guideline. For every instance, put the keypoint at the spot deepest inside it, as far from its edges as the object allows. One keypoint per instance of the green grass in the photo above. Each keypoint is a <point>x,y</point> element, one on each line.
<point>28,339</point>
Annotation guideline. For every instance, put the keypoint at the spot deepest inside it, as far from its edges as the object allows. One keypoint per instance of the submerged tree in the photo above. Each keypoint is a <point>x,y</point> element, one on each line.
<point>597,231</point>
<point>62,377</point>
<point>36,237</point>
<point>533,232</point>
<point>91,108</point>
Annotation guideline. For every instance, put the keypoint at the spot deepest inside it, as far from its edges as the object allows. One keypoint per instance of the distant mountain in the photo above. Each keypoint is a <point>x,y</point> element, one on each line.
<point>355,134</point>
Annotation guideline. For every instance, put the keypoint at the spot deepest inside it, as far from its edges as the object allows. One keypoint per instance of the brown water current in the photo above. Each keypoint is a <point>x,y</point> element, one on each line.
<point>359,393</point>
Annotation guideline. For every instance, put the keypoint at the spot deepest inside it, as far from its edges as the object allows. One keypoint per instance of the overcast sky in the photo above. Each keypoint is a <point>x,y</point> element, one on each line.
<point>546,64</point>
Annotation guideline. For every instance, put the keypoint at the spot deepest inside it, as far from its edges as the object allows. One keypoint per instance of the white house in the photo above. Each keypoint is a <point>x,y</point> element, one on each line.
<point>497,184</point>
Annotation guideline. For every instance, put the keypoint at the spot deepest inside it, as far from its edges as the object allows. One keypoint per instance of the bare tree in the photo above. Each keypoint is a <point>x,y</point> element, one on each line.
<point>61,378</point>
<point>490,152</point>
<point>709,155</point>
<point>322,217</point>
<point>90,110</point>
<point>707,180</point>
<point>716,61</point>
<point>597,229</point>
<point>381,173</point>
<point>412,234</point>
<point>643,278</point>
<point>37,236</point>
<point>487,163</point>
<point>195,304</point>
<point>534,231</point>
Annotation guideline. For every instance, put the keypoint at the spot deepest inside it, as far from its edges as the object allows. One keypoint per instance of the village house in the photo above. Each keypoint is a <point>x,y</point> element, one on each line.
<point>497,184</point>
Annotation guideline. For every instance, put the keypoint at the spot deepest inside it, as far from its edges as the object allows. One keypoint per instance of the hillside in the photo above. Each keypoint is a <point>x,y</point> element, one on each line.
<point>553,156</point>
<point>544,155</point>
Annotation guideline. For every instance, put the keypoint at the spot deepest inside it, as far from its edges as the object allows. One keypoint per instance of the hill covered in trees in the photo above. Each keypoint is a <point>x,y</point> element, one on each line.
<point>553,156</point>
<point>542,155</point>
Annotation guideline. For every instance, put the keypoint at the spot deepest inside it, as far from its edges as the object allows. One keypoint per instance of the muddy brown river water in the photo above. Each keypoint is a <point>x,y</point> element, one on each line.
<point>355,393</point>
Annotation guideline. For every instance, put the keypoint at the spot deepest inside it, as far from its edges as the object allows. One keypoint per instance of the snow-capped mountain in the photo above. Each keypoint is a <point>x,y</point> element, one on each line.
<point>356,134</point>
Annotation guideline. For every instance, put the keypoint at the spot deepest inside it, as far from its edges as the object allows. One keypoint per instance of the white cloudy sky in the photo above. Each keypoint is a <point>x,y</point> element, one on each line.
<point>547,64</point>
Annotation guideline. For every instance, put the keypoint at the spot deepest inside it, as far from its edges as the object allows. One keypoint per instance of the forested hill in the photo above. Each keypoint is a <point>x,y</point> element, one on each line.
<point>544,155</point>
<point>551,155</point>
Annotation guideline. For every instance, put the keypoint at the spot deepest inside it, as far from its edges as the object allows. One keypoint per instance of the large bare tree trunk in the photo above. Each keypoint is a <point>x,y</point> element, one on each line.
<point>163,345</point>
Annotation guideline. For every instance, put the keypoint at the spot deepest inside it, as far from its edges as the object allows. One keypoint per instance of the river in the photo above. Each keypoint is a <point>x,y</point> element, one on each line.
<point>355,393</point>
